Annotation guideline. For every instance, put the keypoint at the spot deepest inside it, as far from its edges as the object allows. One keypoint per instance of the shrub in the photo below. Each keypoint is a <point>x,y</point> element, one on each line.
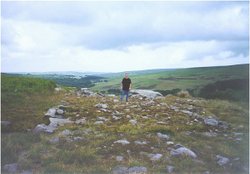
<point>183,94</point>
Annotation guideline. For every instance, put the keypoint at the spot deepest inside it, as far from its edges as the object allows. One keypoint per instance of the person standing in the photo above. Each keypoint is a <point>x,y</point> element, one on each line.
<point>125,87</point>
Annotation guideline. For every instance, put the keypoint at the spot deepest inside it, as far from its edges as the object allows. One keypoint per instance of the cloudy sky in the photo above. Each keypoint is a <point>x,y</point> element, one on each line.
<point>121,36</point>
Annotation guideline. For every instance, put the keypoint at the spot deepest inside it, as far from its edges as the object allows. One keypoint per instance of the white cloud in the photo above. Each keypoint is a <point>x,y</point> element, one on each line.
<point>118,36</point>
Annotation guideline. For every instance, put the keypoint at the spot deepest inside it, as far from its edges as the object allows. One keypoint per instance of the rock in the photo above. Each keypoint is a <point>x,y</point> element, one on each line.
<point>170,143</point>
<point>66,132</point>
<point>123,142</point>
<point>137,170</point>
<point>211,122</point>
<point>222,160</point>
<point>44,128</point>
<point>187,112</point>
<point>87,92</point>
<point>183,151</point>
<point>116,118</point>
<point>81,121</point>
<point>170,169</point>
<point>175,108</point>
<point>119,158</point>
<point>99,105</point>
<point>11,168</point>
<point>102,118</point>
<point>146,93</point>
<point>104,110</point>
<point>54,140</point>
<point>78,139</point>
<point>140,142</point>
<point>5,123</point>
<point>163,136</point>
<point>59,111</point>
<point>120,170</point>
<point>162,122</point>
<point>99,122</point>
<point>155,157</point>
<point>178,146</point>
<point>133,122</point>
<point>51,112</point>
<point>223,124</point>
<point>128,116</point>
<point>60,122</point>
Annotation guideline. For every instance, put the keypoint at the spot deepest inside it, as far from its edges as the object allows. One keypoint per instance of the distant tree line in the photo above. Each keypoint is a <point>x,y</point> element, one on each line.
<point>83,82</point>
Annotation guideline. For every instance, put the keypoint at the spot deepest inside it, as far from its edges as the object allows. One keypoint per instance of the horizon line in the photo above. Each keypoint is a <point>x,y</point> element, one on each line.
<point>96,72</point>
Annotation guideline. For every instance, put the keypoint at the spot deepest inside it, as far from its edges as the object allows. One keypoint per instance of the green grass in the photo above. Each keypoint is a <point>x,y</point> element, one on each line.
<point>184,79</point>
<point>97,151</point>
<point>24,101</point>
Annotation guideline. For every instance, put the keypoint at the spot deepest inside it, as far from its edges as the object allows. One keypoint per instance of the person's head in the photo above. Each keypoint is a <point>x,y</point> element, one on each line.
<point>126,75</point>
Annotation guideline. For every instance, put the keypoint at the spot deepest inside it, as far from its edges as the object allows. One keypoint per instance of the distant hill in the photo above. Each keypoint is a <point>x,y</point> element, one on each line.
<point>170,81</point>
<point>206,82</point>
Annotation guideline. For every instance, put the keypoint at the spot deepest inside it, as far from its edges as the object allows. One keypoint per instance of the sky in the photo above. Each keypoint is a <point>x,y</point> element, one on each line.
<point>121,36</point>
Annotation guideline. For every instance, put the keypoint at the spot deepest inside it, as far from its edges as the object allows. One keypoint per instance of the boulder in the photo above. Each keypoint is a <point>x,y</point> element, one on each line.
<point>163,136</point>
<point>87,92</point>
<point>211,122</point>
<point>146,93</point>
<point>119,158</point>
<point>99,122</point>
<point>81,121</point>
<point>66,132</point>
<point>155,157</point>
<point>222,160</point>
<point>51,112</point>
<point>123,142</point>
<point>55,113</point>
<point>57,121</point>
<point>44,128</point>
<point>133,122</point>
<point>59,111</point>
<point>183,151</point>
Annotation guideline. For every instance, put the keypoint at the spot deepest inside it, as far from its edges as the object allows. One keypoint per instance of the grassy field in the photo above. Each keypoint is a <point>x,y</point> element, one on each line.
<point>191,78</point>
<point>90,147</point>
<point>96,151</point>
<point>24,101</point>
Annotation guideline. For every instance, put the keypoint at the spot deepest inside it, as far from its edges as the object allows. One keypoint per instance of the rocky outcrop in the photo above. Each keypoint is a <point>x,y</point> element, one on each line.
<point>55,121</point>
<point>55,113</point>
<point>44,128</point>
<point>146,93</point>
<point>183,151</point>
<point>87,92</point>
